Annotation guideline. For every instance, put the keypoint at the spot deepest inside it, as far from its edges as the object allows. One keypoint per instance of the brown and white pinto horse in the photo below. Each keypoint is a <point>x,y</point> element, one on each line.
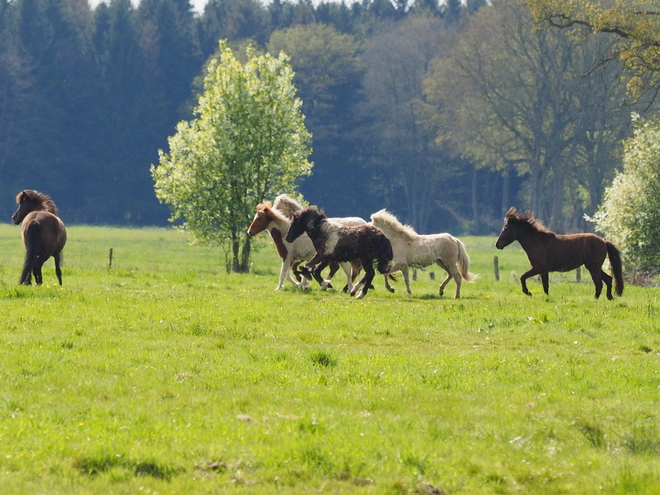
<point>43,233</point>
<point>292,253</point>
<point>550,252</point>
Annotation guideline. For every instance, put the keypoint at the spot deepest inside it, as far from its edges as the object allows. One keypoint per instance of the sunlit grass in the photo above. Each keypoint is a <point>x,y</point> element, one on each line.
<point>163,373</point>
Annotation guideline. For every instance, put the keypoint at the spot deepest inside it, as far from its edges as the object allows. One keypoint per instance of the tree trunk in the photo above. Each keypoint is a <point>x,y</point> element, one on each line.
<point>557,217</point>
<point>476,219</point>
<point>245,255</point>
<point>506,192</point>
<point>235,247</point>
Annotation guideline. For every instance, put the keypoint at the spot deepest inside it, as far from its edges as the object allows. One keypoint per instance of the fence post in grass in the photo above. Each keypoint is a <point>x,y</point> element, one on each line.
<point>110,259</point>
<point>578,275</point>
<point>496,265</point>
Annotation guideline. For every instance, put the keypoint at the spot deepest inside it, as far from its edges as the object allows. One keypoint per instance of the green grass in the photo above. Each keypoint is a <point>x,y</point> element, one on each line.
<point>164,374</point>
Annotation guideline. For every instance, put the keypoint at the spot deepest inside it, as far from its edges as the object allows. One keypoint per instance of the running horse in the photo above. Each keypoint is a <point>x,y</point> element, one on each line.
<point>43,232</point>
<point>550,252</point>
<point>365,243</point>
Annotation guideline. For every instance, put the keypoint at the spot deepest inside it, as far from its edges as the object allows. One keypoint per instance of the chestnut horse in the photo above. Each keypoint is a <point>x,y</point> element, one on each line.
<point>550,252</point>
<point>44,234</point>
<point>332,243</point>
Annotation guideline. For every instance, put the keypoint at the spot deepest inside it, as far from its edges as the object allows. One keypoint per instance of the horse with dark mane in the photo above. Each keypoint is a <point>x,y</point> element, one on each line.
<point>550,252</point>
<point>44,234</point>
<point>292,253</point>
<point>333,243</point>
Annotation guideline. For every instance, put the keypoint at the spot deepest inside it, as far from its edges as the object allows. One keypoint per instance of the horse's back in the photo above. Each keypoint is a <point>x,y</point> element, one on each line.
<point>363,240</point>
<point>347,221</point>
<point>568,252</point>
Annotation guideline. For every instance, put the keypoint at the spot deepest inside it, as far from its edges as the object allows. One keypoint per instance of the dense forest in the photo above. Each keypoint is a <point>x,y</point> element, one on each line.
<point>446,114</point>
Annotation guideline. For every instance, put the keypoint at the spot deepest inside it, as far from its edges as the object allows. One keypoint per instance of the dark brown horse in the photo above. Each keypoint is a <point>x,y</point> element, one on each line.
<point>365,243</point>
<point>44,234</point>
<point>550,252</point>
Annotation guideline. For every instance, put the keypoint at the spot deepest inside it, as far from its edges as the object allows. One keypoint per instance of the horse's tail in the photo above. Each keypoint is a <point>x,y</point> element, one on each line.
<point>385,255</point>
<point>32,248</point>
<point>615,263</point>
<point>463,263</point>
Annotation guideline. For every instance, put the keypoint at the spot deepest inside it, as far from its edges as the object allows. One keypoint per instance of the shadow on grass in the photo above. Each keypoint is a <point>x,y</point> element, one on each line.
<point>93,466</point>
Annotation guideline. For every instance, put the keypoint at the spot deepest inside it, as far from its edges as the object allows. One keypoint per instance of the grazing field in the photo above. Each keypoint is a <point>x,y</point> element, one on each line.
<point>164,374</point>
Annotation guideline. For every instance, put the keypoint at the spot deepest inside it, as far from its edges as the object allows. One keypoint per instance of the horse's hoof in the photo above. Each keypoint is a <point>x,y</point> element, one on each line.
<point>360,295</point>
<point>391,289</point>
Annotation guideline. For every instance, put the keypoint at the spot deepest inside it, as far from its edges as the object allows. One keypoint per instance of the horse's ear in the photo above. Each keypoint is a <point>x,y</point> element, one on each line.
<point>314,207</point>
<point>512,212</point>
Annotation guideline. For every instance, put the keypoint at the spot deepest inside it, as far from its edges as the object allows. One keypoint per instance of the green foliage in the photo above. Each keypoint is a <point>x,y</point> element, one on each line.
<point>630,213</point>
<point>248,143</point>
<point>635,24</point>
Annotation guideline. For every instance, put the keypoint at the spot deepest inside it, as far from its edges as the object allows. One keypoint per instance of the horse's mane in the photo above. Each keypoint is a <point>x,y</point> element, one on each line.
<point>287,205</point>
<point>45,202</point>
<point>279,215</point>
<point>526,220</point>
<point>386,218</point>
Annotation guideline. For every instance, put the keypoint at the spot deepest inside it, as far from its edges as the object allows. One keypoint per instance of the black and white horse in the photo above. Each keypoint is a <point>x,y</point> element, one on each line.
<point>333,243</point>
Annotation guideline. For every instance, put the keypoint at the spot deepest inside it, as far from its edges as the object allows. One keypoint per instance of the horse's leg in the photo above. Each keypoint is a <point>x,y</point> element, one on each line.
<point>298,279</point>
<point>334,267</point>
<point>348,271</point>
<point>369,274</point>
<point>26,275</point>
<point>316,272</point>
<point>545,280</point>
<point>525,276</point>
<point>597,276</point>
<point>608,282</point>
<point>441,291</point>
<point>406,278</point>
<point>58,270</point>
<point>296,273</point>
<point>284,274</point>
<point>38,279</point>
<point>453,273</point>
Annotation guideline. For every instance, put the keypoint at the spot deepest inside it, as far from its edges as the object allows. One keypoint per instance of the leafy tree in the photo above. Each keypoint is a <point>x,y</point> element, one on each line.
<point>233,20</point>
<point>630,213</point>
<point>408,169</point>
<point>247,143</point>
<point>634,23</point>
<point>513,98</point>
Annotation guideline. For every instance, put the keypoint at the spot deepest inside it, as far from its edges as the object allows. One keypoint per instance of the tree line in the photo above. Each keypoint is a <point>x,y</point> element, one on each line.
<point>446,114</point>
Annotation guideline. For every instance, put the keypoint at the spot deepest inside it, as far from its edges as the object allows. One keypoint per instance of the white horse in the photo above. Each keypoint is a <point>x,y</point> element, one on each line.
<point>418,251</point>
<point>277,220</point>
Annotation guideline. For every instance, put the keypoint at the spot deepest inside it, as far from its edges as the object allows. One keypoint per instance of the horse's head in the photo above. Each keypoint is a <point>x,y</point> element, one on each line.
<point>305,220</point>
<point>509,232</point>
<point>29,201</point>
<point>260,221</point>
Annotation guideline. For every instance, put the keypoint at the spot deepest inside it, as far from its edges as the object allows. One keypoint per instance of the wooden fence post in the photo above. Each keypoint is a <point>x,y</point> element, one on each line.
<point>496,263</point>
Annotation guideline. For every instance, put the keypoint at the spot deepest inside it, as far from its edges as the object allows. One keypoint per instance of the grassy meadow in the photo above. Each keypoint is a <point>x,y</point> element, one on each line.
<point>164,374</point>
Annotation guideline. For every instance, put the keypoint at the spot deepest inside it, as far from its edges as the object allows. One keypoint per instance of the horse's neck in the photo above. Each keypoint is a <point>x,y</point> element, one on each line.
<point>529,239</point>
<point>280,223</point>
